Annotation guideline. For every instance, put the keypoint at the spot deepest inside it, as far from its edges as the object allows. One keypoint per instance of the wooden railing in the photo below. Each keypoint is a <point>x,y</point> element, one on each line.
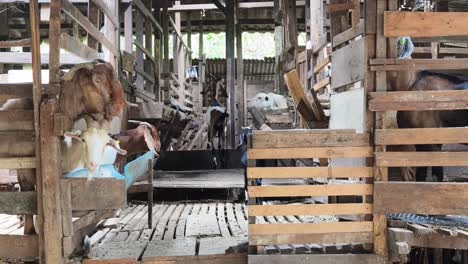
<point>308,144</point>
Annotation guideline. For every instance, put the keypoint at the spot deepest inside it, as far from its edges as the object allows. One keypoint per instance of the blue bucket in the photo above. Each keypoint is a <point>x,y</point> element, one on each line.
<point>132,171</point>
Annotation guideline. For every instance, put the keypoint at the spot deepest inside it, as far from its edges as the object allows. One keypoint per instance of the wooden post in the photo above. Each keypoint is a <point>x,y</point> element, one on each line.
<point>54,44</point>
<point>157,50</point>
<point>128,28</point>
<point>165,25</point>
<point>150,193</point>
<point>37,94</point>
<point>148,63</point>
<point>279,45</point>
<point>139,53</point>
<point>93,16</point>
<point>231,70</point>
<point>240,75</point>
<point>51,172</point>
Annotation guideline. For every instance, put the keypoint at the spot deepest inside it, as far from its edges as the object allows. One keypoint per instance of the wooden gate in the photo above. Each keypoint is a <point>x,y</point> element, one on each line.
<point>283,224</point>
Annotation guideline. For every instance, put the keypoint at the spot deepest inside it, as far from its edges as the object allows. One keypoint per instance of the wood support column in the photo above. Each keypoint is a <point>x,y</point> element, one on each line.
<point>231,70</point>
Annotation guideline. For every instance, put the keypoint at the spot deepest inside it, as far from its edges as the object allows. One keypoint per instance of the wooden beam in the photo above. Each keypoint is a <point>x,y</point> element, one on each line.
<point>418,100</point>
<point>308,139</point>
<point>15,43</point>
<point>75,46</point>
<point>310,209</point>
<point>221,5</point>
<point>138,4</point>
<point>307,228</point>
<point>76,14</point>
<point>177,31</point>
<point>322,84</point>
<point>25,58</point>
<point>231,71</point>
<point>425,24</point>
<point>321,65</point>
<point>19,246</point>
<point>419,198</point>
<point>350,63</point>
<point>338,8</point>
<point>17,203</point>
<point>414,136</point>
<point>317,258</point>
<point>420,159</point>
<point>309,172</point>
<point>310,190</point>
<point>107,11</point>
<point>304,153</point>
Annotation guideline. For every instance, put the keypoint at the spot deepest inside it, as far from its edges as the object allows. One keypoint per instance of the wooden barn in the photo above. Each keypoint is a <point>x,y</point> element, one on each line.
<point>233,131</point>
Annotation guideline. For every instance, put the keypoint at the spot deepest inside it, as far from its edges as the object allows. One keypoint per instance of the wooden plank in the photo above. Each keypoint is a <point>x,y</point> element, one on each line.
<point>318,258</point>
<point>310,190</point>
<point>138,4</point>
<point>91,218</point>
<point>419,198</point>
<point>243,223</point>
<point>342,7</point>
<point>350,63</point>
<point>76,14</point>
<point>15,43</point>
<point>303,153</point>
<point>203,224</point>
<point>222,220</point>
<point>308,139</point>
<point>180,232</point>
<point>65,197</point>
<point>19,246</point>
<point>177,31</point>
<point>420,159</point>
<point>309,172</point>
<point>140,46</point>
<point>310,209</point>
<point>436,240</point>
<point>107,10</point>
<point>14,120</point>
<point>322,64</point>
<point>231,219</point>
<point>307,228</point>
<point>15,90</point>
<point>17,203</point>
<point>422,24</point>
<point>17,163</point>
<point>413,136</point>
<point>147,76</point>
<point>417,64</point>
<point>100,194</point>
<point>25,58</point>
<point>315,111</point>
<point>418,100</point>
<point>75,46</point>
<point>172,224</point>
<point>348,34</point>
<point>322,84</point>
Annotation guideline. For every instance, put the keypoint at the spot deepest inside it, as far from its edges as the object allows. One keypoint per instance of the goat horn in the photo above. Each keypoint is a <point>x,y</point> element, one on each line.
<point>71,73</point>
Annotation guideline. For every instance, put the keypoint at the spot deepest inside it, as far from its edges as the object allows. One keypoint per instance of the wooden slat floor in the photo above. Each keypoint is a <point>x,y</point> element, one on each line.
<point>10,225</point>
<point>180,229</point>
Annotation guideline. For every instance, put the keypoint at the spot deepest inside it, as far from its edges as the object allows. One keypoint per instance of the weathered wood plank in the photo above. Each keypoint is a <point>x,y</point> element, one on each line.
<point>350,62</point>
<point>107,10</point>
<point>14,120</point>
<point>310,190</point>
<point>322,64</point>
<point>413,136</point>
<point>306,228</point>
<point>308,139</point>
<point>419,198</point>
<point>15,43</point>
<point>420,159</point>
<point>417,64</point>
<point>18,163</point>
<point>425,24</point>
<point>321,84</point>
<point>304,153</point>
<point>17,203</point>
<point>75,13</point>
<point>19,246</point>
<point>75,46</point>
<point>318,258</point>
<point>15,90</point>
<point>138,4</point>
<point>309,209</point>
<point>100,194</point>
<point>348,34</point>
<point>309,172</point>
<point>418,100</point>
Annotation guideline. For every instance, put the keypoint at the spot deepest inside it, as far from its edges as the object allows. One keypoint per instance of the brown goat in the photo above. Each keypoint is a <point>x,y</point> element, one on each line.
<point>91,88</point>
<point>141,139</point>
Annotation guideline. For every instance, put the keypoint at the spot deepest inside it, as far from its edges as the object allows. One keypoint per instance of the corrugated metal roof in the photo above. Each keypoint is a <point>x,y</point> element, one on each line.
<point>253,69</point>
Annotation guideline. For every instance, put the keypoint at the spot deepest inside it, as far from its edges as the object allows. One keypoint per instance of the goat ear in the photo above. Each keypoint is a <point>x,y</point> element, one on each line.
<point>75,134</point>
<point>116,146</point>
<point>149,140</point>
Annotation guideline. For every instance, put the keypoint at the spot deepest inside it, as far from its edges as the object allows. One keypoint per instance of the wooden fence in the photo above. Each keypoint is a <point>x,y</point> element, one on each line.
<point>308,144</point>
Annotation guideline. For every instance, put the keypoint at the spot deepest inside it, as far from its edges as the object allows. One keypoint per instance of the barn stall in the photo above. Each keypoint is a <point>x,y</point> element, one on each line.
<point>322,172</point>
